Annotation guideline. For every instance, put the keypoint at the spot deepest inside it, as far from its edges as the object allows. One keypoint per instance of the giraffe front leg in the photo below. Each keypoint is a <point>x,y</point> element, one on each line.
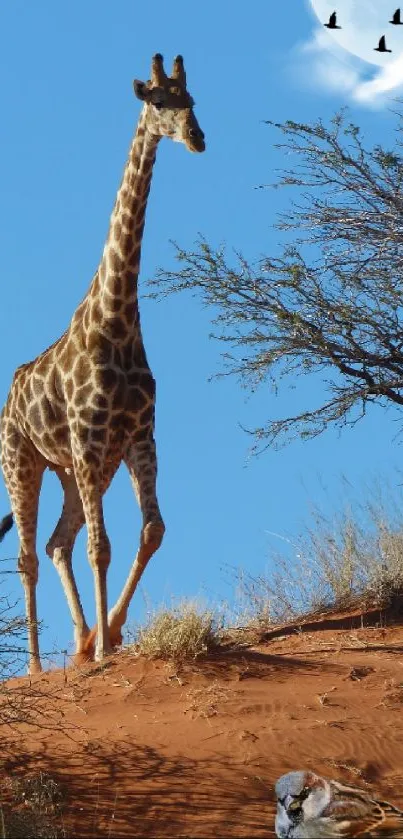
<point>88,472</point>
<point>60,550</point>
<point>141,461</point>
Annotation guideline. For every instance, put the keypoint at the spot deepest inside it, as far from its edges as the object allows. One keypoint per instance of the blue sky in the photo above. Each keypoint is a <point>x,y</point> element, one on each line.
<point>68,115</point>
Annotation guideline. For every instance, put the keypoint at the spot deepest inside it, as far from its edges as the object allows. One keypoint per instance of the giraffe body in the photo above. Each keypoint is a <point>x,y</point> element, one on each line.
<point>87,403</point>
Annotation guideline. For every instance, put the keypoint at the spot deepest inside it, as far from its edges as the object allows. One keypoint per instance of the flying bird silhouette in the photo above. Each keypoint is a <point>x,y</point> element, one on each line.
<point>332,22</point>
<point>382,45</point>
<point>396,18</point>
<point>5,525</point>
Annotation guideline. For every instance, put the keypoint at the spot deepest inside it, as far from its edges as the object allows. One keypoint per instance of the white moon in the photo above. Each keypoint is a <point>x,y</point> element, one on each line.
<point>363,22</point>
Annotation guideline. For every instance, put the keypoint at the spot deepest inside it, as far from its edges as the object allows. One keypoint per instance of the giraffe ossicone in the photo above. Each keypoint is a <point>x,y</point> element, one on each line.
<point>87,403</point>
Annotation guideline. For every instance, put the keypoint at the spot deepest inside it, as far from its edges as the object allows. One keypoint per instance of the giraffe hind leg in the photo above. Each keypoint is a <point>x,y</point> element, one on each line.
<point>23,469</point>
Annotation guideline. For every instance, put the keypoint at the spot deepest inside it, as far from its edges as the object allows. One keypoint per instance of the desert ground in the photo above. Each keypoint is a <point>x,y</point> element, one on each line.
<point>139,747</point>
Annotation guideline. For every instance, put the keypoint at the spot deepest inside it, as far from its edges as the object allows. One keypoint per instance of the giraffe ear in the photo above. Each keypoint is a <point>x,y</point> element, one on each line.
<point>141,90</point>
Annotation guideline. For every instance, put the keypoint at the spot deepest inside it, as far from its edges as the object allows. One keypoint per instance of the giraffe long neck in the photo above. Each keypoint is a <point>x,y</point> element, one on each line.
<point>120,263</point>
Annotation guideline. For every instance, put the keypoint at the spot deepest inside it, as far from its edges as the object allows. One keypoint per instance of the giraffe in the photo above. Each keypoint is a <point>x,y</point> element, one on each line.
<point>87,402</point>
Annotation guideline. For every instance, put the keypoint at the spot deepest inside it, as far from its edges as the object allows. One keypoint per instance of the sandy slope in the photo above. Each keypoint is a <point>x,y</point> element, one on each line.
<point>149,749</point>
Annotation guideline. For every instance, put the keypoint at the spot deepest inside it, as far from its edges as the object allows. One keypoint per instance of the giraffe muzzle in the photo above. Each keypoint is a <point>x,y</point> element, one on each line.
<point>196,140</point>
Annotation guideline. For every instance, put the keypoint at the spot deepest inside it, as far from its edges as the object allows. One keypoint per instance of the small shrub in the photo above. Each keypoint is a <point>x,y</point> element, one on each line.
<point>35,808</point>
<point>183,632</point>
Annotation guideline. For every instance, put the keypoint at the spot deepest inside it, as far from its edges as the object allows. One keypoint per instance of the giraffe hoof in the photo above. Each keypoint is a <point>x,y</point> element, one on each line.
<point>88,648</point>
<point>80,659</point>
<point>35,669</point>
<point>115,637</point>
<point>115,640</point>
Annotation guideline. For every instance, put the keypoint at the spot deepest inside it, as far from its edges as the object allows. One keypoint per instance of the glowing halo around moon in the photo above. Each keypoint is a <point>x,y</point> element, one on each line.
<point>363,22</point>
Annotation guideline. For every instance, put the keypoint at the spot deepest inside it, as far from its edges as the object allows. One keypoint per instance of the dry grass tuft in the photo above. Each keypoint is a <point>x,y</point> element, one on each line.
<point>184,632</point>
<point>352,559</point>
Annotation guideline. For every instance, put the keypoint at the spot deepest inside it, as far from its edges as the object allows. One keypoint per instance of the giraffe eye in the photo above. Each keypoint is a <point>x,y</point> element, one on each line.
<point>158,98</point>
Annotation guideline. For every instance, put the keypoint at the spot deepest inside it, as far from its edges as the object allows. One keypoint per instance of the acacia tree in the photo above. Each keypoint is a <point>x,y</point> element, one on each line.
<point>330,303</point>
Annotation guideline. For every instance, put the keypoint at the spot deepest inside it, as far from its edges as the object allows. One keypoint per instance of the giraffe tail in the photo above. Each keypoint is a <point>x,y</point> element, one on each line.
<point>5,525</point>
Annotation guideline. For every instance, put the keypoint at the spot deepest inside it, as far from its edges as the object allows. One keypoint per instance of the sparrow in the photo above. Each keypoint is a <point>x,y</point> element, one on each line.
<point>311,807</point>
<point>5,525</point>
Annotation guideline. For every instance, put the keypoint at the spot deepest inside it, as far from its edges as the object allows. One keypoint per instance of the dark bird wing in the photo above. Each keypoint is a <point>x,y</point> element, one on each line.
<point>358,814</point>
<point>384,824</point>
<point>332,19</point>
<point>5,525</point>
<point>396,16</point>
<point>382,44</point>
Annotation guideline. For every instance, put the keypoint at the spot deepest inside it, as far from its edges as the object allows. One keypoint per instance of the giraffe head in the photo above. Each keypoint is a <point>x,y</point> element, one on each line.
<point>169,105</point>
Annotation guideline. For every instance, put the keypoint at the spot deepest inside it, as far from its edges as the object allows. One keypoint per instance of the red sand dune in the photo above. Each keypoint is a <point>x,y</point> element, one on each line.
<point>147,748</point>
